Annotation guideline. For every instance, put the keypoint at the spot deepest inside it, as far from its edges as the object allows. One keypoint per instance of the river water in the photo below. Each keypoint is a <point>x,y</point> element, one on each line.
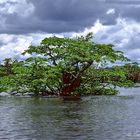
<point>92,118</point>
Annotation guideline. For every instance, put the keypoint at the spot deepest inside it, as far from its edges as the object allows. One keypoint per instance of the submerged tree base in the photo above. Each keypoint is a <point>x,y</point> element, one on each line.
<point>71,97</point>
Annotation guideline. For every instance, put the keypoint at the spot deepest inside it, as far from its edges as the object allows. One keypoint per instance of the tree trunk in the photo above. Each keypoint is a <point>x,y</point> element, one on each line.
<point>70,83</point>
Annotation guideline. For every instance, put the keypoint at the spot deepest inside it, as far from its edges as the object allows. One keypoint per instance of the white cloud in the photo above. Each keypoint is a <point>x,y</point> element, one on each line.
<point>110,11</point>
<point>97,27</point>
<point>20,7</point>
<point>124,35</point>
<point>13,45</point>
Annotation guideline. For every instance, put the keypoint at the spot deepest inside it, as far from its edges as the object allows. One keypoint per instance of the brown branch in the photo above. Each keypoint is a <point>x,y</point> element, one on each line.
<point>86,66</point>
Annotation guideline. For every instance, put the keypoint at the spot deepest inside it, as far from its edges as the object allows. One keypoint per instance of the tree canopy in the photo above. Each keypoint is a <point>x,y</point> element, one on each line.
<point>65,66</point>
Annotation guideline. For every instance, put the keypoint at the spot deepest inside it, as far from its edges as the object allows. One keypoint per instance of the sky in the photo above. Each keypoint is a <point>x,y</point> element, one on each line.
<point>26,22</point>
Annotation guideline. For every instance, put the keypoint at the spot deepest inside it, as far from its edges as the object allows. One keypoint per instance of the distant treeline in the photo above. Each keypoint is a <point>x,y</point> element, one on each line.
<point>133,72</point>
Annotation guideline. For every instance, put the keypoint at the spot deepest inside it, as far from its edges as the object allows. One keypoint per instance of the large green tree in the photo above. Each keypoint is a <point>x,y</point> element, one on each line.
<point>64,62</point>
<point>65,66</point>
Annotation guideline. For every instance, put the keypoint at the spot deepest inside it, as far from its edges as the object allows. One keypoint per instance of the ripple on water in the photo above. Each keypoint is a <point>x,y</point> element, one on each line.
<point>92,118</point>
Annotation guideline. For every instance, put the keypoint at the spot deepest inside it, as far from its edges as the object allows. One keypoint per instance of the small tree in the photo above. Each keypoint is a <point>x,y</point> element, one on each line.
<point>133,72</point>
<point>6,74</point>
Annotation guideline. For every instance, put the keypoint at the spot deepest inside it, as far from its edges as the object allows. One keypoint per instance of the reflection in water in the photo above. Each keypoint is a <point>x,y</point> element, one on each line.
<point>93,118</point>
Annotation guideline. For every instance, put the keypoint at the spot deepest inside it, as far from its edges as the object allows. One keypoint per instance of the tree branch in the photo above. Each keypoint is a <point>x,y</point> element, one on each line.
<point>86,66</point>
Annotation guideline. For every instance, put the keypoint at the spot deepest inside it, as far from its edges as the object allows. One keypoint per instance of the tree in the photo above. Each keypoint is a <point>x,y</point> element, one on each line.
<point>66,66</point>
<point>6,67</point>
<point>6,74</point>
<point>133,72</point>
<point>64,62</point>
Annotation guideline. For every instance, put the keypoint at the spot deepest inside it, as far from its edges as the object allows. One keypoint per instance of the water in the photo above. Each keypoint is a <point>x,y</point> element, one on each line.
<point>92,118</point>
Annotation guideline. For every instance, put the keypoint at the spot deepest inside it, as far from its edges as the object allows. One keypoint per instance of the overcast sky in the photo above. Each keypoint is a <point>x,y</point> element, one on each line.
<point>25,22</point>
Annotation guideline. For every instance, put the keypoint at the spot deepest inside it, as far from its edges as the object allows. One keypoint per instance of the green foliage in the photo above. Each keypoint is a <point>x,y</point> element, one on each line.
<point>79,57</point>
<point>103,81</point>
<point>6,83</point>
<point>133,72</point>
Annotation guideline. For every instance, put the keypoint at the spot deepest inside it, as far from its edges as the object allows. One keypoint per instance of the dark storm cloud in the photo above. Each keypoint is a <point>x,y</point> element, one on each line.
<point>68,10</point>
<point>127,8</point>
<point>131,13</point>
<point>57,16</point>
<point>128,2</point>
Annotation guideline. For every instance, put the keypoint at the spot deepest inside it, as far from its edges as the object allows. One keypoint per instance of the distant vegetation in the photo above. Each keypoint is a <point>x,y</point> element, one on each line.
<point>67,66</point>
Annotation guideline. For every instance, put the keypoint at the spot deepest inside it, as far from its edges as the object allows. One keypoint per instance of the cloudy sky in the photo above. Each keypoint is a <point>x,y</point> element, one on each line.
<point>25,22</point>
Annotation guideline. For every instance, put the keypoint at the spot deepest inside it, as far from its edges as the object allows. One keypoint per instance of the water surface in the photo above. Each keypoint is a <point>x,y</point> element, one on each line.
<point>92,118</point>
